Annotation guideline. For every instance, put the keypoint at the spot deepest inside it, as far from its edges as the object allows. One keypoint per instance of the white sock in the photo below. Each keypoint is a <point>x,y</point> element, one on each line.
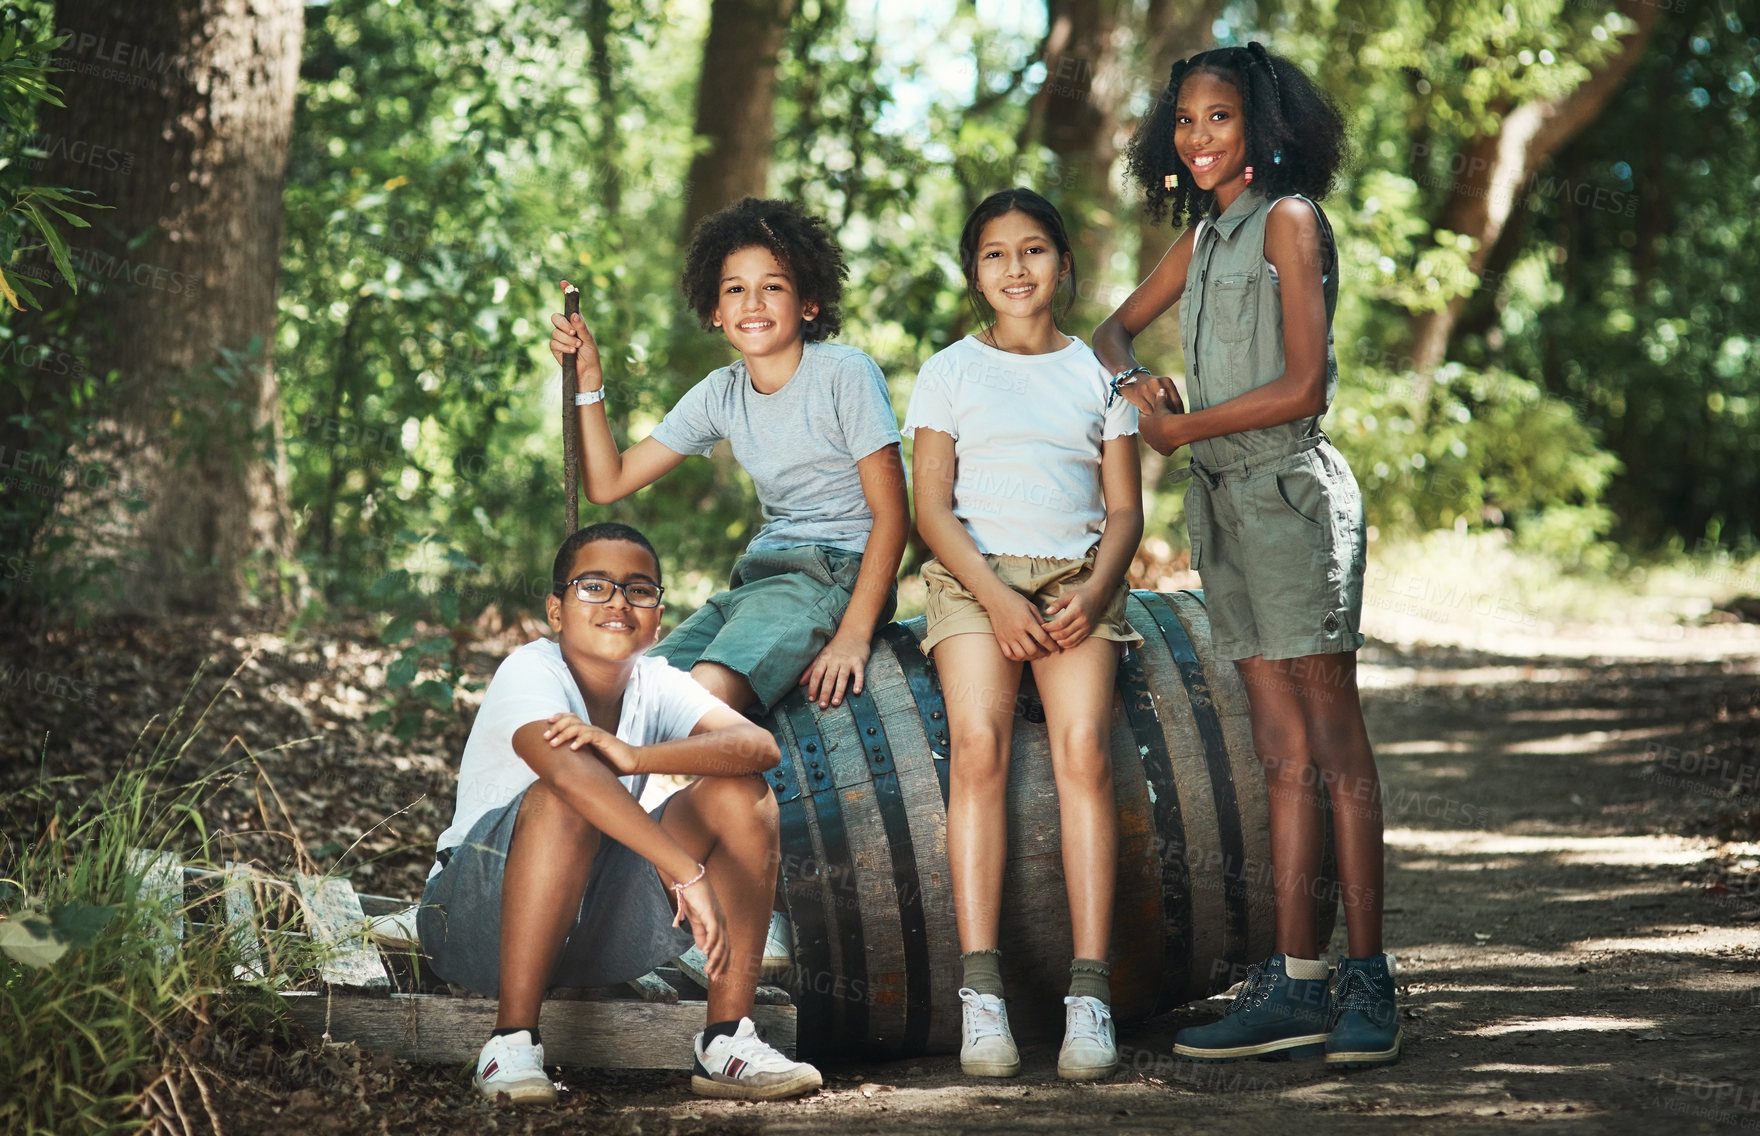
<point>1304,969</point>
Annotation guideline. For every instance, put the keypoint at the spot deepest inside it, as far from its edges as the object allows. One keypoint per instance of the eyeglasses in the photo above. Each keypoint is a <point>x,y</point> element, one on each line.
<point>598,590</point>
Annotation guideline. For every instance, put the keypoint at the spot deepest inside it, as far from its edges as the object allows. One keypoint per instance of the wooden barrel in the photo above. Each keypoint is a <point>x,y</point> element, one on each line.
<point>863,792</point>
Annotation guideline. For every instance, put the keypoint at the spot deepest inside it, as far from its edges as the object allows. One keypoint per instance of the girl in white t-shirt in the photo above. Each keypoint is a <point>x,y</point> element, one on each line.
<point>1028,493</point>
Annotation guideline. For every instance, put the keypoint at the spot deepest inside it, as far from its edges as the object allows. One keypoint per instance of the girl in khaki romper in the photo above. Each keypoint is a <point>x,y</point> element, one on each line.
<point>1243,144</point>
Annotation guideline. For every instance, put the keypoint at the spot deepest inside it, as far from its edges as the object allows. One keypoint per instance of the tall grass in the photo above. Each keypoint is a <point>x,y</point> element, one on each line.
<point>105,1022</point>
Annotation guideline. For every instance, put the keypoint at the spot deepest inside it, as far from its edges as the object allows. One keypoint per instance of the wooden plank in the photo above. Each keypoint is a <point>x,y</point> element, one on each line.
<point>241,920</point>
<point>607,1035</point>
<point>692,965</point>
<point>161,876</point>
<point>652,988</point>
<point>336,920</point>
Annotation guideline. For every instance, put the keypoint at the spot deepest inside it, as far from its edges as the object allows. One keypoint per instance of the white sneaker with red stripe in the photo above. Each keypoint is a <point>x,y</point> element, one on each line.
<point>743,1067</point>
<point>511,1064</point>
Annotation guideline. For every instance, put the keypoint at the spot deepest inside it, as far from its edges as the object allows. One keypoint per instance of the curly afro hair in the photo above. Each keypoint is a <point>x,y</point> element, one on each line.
<point>801,244</point>
<point>1285,112</point>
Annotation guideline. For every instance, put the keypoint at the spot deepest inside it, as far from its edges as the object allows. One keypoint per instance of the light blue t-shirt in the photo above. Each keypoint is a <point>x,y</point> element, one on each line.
<point>800,445</point>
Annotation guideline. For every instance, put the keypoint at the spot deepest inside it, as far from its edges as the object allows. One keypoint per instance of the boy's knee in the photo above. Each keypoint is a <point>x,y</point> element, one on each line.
<point>729,798</point>
<point>542,807</point>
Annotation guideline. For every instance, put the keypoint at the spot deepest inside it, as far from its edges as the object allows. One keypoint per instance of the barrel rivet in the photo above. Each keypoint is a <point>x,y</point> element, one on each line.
<point>870,731</point>
<point>935,715</point>
<point>811,748</point>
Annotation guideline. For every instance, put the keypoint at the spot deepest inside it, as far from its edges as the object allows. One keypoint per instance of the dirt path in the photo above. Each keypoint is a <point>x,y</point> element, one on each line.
<point>1577,940</point>
<point>1574,881</point>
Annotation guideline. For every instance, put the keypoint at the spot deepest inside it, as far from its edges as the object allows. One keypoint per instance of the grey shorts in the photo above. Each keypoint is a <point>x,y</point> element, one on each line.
<point>1278,540</point>
<point>622,930</point>
<point>782,607</point>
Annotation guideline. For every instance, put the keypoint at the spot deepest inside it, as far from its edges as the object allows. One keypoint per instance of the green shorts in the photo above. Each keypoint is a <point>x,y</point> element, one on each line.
<point>1278,540</point>
<point>782,607</point>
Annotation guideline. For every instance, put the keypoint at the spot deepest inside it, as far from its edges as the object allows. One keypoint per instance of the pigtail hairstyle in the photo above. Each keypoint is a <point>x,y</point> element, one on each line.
<point>801,243</point>
<point>1295,135</point>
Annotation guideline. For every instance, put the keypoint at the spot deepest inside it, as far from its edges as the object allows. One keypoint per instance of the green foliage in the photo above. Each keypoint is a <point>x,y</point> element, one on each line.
<point>449,164</point>
<point>1483,449</point>
<point>1641,310</point>
<point>26,48</point>
<point>104,1023</point>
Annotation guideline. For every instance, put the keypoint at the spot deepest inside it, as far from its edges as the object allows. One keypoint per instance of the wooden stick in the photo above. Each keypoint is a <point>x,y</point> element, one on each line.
<point>571,423</point>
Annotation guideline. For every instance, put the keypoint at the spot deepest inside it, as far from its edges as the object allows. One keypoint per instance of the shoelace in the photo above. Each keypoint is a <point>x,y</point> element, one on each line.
<point>1354,992</point>
<point>1254,990</point>
<point>519,1059</point>
<point>757,1053</point>
<point>1088,1022</point>
<point>985,1022</point>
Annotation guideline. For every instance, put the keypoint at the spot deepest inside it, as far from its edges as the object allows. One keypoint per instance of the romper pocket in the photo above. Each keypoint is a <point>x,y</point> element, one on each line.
<point>1233,307</point>
<point>1197,520</point>
<point>1303,493</point>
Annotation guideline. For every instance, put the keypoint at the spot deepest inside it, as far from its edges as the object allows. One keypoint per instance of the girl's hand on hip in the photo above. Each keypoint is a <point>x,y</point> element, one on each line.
<point>838,667</point>
<point>699,904</point>
<point>1020,630</point>
<point>1069,618</point>
<point>571,334</point>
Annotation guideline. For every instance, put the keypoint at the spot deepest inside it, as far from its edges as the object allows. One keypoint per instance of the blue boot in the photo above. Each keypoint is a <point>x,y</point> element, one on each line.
<point>1364,1021</point>
<point>1274,1016</point>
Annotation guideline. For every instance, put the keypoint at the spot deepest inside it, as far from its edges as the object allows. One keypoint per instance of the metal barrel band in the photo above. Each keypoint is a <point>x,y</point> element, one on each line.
<point>1176,884</point>
<point>851,1013</point>
<point>912,923</point>
<point>919,675</point>
<point>1228,822</point>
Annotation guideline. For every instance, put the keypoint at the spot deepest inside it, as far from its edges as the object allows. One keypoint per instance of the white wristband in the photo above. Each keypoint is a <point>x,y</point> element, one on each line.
<point>588,398</point>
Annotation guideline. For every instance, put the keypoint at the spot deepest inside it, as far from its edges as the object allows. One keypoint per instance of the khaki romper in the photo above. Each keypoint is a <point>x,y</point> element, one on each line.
<point>1275,515</point>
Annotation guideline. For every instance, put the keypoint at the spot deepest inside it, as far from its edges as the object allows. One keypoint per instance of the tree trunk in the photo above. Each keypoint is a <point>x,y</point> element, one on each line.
<point>1075,114</point>
<point>1172,31</point>
<point>177,289</point>
<point>735,104</point>
<point>1498,167</point>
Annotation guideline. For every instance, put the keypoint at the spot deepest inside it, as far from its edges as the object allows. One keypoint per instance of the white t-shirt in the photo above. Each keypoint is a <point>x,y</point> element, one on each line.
<point>1027,431</point>
<point>661,703</point>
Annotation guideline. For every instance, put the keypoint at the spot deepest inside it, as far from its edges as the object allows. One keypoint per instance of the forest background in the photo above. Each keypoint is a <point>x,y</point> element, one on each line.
<point>315,248</point>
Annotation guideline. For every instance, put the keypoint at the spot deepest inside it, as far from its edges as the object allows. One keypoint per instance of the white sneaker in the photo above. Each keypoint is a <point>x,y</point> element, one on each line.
<point>1089,1049</point>
<point>778,944</point>
<point>511,1064</point>
<point>988,1049</point>
<point>744,1067</point>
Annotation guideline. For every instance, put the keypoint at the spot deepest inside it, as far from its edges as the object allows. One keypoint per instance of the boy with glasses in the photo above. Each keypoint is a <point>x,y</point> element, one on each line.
<point>551,872</point>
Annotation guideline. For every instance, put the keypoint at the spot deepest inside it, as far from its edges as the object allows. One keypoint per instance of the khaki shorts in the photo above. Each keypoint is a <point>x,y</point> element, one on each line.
<point>1278,540</point>
<point>952,610</point>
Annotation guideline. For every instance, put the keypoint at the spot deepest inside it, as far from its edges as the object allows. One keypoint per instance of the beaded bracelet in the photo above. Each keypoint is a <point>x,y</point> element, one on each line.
<point>1118,380</point>
<point>678,889</point>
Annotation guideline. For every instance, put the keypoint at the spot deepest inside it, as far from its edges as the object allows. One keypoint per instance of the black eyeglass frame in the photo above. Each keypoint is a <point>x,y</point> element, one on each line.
<point>616,585</point>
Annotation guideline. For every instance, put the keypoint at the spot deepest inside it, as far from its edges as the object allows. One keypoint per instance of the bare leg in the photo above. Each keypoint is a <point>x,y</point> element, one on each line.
<point>1292,786</point>
<point>980,685</point>
<point>548,863</point>
<point>729,823</point>
<point>726,684</point>
<point>1338,743</point>
<point>1078,717</point>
